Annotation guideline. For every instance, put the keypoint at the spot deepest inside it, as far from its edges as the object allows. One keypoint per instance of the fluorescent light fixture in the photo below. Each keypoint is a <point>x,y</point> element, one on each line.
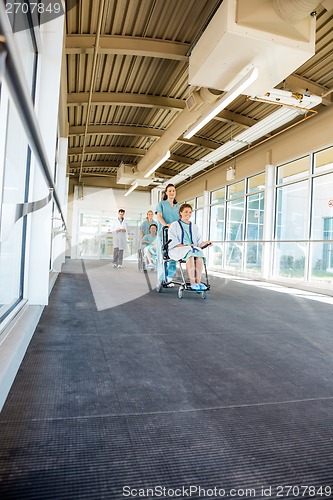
<point>288,98</point>
<point>158,164</point>
<point>131,189</point>
<point>273,121</point>
<point>222,103</point>
<point>260,129</point>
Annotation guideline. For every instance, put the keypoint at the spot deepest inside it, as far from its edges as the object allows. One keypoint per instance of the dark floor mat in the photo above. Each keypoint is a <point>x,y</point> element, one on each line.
<point>161,398</point>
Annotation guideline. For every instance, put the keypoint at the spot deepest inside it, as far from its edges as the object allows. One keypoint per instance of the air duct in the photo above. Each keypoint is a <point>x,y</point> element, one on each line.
<point>244,34</point>
<point>295,11</point>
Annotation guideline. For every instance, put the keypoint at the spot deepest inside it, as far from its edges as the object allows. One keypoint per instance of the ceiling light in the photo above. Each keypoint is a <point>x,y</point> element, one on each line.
<point>222,103</point>
<point>131,189</point>
<point>288,98</point>
<point>158,164</point>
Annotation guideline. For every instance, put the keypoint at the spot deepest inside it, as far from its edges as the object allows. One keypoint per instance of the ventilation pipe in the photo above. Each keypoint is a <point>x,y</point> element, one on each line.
<point>196,105</point>
<point>295,11</point>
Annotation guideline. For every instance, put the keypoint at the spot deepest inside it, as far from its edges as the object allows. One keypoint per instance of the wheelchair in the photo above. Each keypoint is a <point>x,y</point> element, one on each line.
<point>143,264</point>
<point>181,280</point>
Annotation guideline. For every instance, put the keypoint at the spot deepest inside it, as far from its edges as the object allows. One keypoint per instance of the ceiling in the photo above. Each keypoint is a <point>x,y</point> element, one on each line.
<point>126,80</point>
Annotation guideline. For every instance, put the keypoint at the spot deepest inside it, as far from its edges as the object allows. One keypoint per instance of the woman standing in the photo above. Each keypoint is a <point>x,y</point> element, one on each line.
<point>167,211</point>
<point>144,228</point>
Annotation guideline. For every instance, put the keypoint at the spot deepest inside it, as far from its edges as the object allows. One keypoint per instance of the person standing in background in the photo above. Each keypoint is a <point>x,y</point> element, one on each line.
<point>119,233</point>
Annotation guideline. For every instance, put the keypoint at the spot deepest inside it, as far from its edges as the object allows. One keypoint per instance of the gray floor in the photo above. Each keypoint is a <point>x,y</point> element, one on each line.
<point>123,389</point>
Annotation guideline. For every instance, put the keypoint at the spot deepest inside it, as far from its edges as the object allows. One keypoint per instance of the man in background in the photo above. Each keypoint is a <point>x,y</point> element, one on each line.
<point>119,233</point>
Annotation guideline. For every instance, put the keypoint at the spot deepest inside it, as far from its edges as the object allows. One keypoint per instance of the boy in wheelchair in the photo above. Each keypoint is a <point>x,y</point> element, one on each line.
<point>185,245</point>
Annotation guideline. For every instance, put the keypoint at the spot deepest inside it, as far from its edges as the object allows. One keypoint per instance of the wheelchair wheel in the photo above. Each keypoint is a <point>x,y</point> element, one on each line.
<point>180,292</point>
<point>203,294</point>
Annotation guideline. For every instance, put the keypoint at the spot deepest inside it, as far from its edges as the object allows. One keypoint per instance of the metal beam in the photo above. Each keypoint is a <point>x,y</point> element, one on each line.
<point>107,150</point>
<point>131,46</point>
<point>94,164</point>
<point>115,130</point>
<point>125,99</point>
<point>235,119</point>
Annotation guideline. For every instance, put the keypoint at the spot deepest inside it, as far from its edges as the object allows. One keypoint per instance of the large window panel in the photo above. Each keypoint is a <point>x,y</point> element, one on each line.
<point>293,171</point>
<point>15,172</point>
<point>12,225</point>
<point>322,229</point>
<point>254,231</point>
<point>323,161</point>
<point>216,234</point>
<point>235,232</point>
<point>291,225</point>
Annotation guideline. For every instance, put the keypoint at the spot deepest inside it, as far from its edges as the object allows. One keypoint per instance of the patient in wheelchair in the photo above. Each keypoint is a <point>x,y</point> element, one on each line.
<point>149,243</point>
<point>185,245</point>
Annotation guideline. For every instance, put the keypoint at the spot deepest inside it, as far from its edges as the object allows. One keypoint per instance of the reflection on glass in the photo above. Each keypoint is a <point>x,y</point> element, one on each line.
<point>253,253</point>
<point>289,259</point>
<point>234,255</point>
<point>322,259</point>
<point>293,171</point>
<point>88,246</point>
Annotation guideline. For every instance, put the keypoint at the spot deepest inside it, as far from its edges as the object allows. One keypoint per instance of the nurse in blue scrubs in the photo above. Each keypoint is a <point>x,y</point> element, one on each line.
<point>167,211</point>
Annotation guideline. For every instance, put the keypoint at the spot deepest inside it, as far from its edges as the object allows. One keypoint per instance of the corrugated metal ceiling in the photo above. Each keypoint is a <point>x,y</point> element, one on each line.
<point>141,83</point>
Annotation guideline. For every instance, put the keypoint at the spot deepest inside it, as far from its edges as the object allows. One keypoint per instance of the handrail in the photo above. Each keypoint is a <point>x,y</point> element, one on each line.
<point>19,93</point>
<point>271,241</point>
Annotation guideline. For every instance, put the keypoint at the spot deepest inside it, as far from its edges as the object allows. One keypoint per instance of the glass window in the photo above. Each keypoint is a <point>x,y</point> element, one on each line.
<point>216,232</point>
<point>191,202</point>
<point>256,183</point>
<point>236,190</point>
<point>235,220</point>
<point>12,223</point>
<point>254,231</point>
<point>293,171</point>
<point>235,232</point>
<point>322,228</point>
<point>323,161</point>
<point>15,173</point>
<point>199,203</point>
<point>291,224</point>
<point>198,218</point>
<point>292,209</point>
<point>218,196</point>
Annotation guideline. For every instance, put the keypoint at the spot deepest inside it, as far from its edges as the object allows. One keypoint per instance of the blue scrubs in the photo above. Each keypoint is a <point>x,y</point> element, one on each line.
<point>169,214</point>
